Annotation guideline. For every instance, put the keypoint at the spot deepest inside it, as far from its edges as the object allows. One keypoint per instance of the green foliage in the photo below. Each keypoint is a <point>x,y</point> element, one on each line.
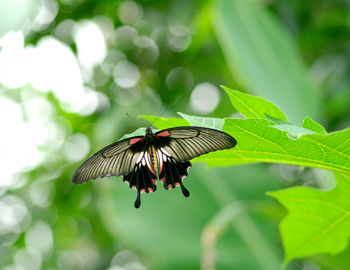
<point>253,106</point>
<point>317,221</point>
<point>138,132</point>
<point>312,125</point>
<point>258,141</point>
<point>163,123</point>
<point>263,57</point>
<point>204,121</point>
<point>293,132</point>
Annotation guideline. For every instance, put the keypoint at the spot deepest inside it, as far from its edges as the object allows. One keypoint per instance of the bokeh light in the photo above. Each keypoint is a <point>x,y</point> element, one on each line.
<point>76,147</point>
<point>126,74</point>
<point>204,99</point>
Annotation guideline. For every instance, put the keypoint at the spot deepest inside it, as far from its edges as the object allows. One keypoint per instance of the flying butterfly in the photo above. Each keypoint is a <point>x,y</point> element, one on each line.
<point>162,156</point>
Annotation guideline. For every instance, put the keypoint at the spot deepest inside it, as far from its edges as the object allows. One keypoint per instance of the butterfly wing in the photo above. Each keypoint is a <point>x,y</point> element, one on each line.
<point>176,146</point>
<point>116,159</point>
<point>173,147</point>
<point>185,143</point>
<point>143,177</point>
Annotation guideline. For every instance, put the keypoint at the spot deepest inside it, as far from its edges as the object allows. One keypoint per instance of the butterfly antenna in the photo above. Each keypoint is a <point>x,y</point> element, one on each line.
<point>135,118</point>
<point>163,111</point>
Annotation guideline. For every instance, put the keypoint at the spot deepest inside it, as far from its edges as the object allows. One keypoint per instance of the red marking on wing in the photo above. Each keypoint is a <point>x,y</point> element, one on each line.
<point>164,133</point>
<point>150,189</point>
<point>135,140</point>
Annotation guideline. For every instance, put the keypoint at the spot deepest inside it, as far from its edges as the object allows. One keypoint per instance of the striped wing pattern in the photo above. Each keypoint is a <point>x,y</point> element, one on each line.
<point>113,160</point>
<point>161,156</point>
<point>189,142</point>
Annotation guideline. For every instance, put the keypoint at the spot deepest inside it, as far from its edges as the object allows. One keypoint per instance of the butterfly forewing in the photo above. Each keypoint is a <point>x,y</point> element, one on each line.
<point>116,159</point>
<point>185,143</point>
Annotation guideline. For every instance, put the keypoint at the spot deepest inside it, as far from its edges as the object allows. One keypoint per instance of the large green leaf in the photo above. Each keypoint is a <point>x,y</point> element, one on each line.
<point>263,57</point>
<point>258,141</point>
<point>253,106</point>
<point>318,221</point>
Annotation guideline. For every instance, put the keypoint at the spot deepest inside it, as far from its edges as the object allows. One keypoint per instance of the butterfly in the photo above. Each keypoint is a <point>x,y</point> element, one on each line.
<point>162,156</point>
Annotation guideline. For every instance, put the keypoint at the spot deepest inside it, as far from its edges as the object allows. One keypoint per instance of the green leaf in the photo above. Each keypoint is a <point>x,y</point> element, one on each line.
<point>253,106</point>
<point>277,121</point>
<point>209,122</point>
<point>258,141</point>
<point>264,58</point>
<point>163,123</point>
<point>138,132</point>
<point>318,221</point>
<point>312,125</point>
<point>293,132</point>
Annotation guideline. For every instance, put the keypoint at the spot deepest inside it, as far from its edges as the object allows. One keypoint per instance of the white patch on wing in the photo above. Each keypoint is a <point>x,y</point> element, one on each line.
<point>165,152</point>
<point>140,157</point>
<point>160,160</point>
<point>148,158</point>
<point>159,154</point>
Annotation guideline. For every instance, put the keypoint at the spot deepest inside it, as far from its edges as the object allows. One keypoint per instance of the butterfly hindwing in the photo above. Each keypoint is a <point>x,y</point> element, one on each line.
<point>173,174</point>
<point>142,177</point>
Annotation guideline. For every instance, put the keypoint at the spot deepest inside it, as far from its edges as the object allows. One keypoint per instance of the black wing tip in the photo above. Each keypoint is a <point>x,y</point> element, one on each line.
<point>233,141</point>
<point>79,181</point>
<point>76,180</point>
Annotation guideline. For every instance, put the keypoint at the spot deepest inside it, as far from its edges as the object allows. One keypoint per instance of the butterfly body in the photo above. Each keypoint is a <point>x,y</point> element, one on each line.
<point>162,156</point>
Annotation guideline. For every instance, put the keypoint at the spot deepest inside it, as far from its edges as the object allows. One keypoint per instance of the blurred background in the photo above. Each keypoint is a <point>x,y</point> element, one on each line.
<point>70,70</point>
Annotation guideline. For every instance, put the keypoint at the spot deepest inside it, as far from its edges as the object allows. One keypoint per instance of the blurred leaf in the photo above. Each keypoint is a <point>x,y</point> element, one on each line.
<point>318,221</point>
<point>164,123</point>
<point>264,58</point>
<point>253,106</point>
<point>312,125</point>
<point>209,122</point>
<point>258,141</point>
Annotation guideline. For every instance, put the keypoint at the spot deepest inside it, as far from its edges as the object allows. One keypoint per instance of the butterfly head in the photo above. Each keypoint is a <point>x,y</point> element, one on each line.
<point>149,131</point>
